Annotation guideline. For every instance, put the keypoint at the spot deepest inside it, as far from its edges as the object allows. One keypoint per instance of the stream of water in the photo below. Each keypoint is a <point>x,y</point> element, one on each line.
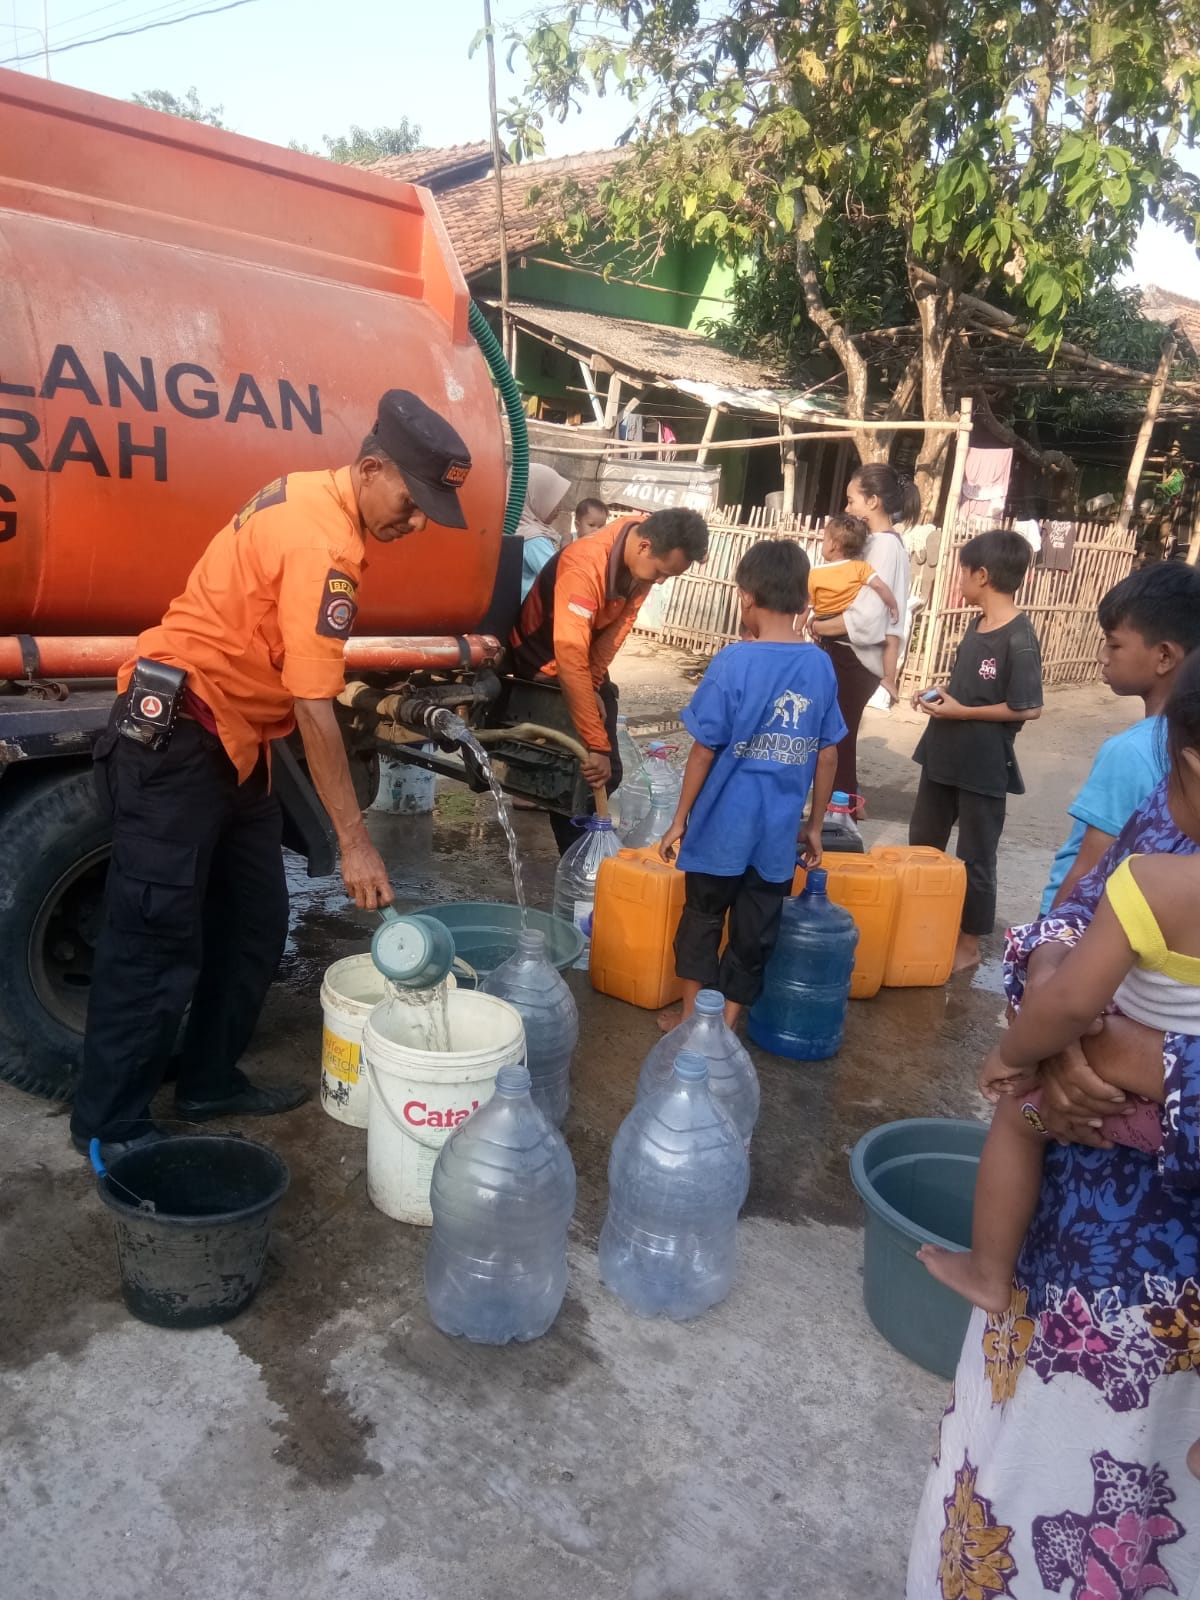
<point>431,1014</point>
<point>505,816</point>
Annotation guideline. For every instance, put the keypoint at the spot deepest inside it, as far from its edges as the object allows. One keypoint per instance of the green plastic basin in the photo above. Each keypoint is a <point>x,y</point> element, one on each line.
<point>917,1181</point>
<point>485,933</point>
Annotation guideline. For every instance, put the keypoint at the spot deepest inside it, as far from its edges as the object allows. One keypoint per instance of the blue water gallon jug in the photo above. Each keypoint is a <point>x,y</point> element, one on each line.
<point>732,1080</point>
<point>801,1012</point>
<point>677,1178</point>
<point>502,1197</point>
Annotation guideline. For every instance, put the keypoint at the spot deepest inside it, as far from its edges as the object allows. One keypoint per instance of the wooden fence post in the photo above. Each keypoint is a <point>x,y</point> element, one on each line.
<point>946,552</point>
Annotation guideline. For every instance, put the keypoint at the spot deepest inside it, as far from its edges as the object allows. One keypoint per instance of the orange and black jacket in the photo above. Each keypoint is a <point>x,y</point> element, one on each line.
<point>576,617</point>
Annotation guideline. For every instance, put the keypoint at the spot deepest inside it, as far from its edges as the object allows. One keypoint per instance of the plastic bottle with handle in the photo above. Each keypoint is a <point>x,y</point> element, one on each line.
<point>665,784</point>
<point>575,877</point>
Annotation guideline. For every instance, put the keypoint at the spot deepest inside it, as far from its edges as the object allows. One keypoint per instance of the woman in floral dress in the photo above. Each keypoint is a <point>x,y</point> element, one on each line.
<point>1061,1459</point>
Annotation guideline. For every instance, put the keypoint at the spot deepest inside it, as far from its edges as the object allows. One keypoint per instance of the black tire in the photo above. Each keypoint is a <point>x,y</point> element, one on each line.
<point>54,849</point>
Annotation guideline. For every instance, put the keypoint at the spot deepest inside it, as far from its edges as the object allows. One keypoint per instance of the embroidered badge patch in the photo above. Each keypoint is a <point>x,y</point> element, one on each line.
<point>581,608</point>
<point>273,495</point>
<point>338,609</point>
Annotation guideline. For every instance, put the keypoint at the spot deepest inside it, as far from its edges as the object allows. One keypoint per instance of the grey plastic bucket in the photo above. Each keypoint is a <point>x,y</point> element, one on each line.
<point>917,1181</point>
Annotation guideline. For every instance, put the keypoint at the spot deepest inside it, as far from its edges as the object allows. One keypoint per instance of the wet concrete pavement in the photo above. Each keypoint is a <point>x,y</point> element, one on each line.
<point>330,1441</point>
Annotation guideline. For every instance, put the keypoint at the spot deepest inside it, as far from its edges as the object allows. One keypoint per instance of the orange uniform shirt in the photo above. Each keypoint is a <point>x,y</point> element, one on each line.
<point>576,617</point>
<point>267,610</point>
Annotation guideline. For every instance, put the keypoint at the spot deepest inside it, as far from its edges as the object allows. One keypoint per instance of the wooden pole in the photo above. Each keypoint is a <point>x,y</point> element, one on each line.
<point>498,175</point>
<point>946,552</point>
<point>710,427</point>
<point>1145,432</point>
<point>612,405</point>
<point>789,470</point>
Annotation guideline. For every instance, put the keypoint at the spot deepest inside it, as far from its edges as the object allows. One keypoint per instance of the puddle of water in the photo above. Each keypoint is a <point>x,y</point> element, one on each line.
<point>989,976</point>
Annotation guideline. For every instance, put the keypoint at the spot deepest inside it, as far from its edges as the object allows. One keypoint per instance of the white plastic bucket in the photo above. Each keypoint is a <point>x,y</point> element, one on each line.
<point>419,1096</point>
<point>404,789</point>
<point>352,989</point>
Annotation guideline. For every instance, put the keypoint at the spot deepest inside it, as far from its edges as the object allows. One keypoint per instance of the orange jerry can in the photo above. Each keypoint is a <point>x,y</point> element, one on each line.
<point>932,889</point>
<point>639,898</point>
<point>869,889</point>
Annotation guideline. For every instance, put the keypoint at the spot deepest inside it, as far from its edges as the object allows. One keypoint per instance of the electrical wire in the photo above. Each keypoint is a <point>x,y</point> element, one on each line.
<point>127,33</point>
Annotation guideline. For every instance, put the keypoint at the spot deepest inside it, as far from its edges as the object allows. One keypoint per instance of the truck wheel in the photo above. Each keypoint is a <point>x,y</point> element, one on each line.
<point>54,849</point>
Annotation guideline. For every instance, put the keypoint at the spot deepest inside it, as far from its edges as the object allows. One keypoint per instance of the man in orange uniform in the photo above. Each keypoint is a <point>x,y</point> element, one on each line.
<point>196,908</point>
<point>577,615</point>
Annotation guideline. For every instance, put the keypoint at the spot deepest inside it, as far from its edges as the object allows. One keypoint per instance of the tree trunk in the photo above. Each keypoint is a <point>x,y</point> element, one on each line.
<point>935,307</point>
<point>870,446</point>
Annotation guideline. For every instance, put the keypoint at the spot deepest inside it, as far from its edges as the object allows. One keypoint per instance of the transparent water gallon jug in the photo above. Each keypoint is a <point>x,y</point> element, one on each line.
<point>665,783</point>
<point>503,1194</point>
<point>732,1079</point>
<point>547,1007</point>
<point>801,1012</point>
<point>839,831</point>
<point>677,1178</point>
<point>631,802</point>
<point>575,877</point>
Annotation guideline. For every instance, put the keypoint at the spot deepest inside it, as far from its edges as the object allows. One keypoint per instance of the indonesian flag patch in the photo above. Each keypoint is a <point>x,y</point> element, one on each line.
<point>581,608</point>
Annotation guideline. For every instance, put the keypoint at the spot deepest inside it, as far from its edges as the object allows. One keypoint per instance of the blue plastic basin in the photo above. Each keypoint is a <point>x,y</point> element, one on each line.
<point>917,1181</point>
<point>485,933</point>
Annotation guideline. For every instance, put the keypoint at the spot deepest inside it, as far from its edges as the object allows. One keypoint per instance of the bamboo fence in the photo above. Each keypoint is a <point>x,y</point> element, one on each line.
<point>701,611</point>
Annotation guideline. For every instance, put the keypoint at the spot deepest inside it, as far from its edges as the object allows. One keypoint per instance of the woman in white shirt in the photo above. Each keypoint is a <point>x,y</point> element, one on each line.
<point>863,642</point>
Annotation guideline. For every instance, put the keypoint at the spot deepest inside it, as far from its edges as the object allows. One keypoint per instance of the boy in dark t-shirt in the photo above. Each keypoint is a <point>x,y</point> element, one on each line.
<point>966,754</point>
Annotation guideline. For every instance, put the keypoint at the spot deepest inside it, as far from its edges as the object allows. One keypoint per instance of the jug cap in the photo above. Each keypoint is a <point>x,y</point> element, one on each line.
<point>513,1080</point>
<point>817,881</point>
<point>691,1066</point>
<point>710,1002</point>
<point>840,797</point>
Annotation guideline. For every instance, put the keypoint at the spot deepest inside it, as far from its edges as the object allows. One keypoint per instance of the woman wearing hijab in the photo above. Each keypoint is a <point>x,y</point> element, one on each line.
<point>544,496</point>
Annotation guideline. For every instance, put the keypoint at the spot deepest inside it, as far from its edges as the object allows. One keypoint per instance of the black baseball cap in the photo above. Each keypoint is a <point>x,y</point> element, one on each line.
<point>429,452</point>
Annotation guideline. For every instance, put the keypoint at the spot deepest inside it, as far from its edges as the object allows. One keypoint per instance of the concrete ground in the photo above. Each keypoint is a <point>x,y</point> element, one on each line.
<point>331,1442</point>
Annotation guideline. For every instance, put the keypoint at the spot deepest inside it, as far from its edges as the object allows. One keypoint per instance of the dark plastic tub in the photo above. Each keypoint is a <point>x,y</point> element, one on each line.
<point>917,1180</point>
<point>485,934</point>
<point>193,1219</point>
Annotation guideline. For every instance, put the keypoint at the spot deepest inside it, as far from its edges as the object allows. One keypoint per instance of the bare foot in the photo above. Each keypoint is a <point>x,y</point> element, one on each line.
<point>669,1019</point>
<point>1193,1460</point>
<point>959,1271</point>
<point>966,953</point>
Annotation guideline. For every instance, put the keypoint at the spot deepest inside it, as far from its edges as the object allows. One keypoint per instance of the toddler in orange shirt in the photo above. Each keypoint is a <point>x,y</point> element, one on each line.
<point>832,588</point>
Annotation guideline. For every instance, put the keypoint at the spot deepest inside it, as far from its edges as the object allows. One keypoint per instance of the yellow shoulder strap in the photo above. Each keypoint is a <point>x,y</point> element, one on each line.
<point>1135,916</point>
<point>1141,929</point>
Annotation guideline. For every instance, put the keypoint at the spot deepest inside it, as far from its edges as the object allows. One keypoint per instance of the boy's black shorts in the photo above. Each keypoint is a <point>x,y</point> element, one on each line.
<point>754,907</point>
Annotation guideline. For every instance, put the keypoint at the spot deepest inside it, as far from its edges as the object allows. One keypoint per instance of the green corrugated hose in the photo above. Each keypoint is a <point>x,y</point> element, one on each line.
<point>511,395</point>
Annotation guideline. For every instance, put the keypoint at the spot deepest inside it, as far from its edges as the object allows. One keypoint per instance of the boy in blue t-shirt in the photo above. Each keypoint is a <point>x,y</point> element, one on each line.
<point>766,724</point>
<point>1151,623</point>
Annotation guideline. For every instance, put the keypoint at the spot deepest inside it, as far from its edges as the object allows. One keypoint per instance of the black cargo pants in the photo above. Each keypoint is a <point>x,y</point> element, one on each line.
<point>195,911</point>
<point>565,831</point>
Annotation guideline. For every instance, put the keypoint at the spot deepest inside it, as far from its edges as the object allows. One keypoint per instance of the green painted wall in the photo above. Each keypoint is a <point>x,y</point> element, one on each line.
<point>684,288</point>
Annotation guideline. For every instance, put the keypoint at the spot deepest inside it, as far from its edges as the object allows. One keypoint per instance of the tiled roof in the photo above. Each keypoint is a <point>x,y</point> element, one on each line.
<point>469,212</point>
<point>1163,305</point>
<point>417,165</point>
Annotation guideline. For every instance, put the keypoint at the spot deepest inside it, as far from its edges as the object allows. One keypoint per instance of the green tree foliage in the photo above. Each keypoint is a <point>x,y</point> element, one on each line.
<point>186,105</point>
<point>361,145</point>
<point>1008,145</point>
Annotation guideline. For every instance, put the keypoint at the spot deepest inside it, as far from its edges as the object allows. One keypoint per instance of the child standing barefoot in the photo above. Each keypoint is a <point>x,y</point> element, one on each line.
<point>1141,954</point>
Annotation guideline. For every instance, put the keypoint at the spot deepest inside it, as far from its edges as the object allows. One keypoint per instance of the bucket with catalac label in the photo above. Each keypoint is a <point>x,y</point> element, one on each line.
<point>418,1096</point>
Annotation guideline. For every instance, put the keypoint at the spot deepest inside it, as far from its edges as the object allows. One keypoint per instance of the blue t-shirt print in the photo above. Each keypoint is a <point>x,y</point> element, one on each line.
<point>766,709</point>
